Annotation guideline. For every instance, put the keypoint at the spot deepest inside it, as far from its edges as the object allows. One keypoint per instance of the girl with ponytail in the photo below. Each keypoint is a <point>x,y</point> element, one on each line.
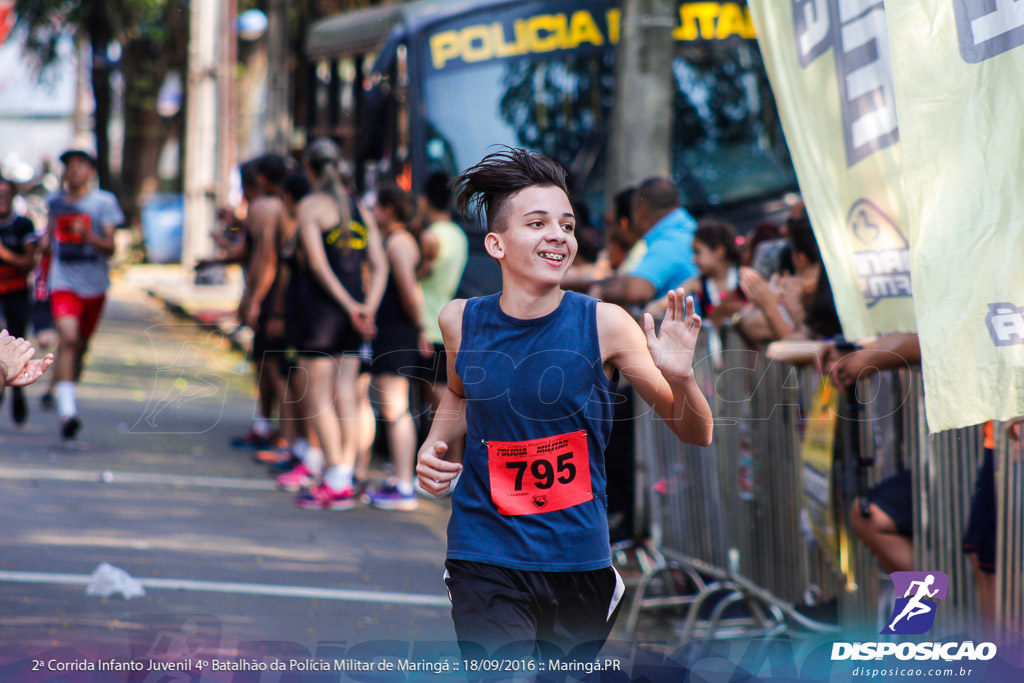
<point>337,237</point>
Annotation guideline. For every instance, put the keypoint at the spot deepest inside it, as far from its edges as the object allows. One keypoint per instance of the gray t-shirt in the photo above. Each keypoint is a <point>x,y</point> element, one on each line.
<point>77,266</point>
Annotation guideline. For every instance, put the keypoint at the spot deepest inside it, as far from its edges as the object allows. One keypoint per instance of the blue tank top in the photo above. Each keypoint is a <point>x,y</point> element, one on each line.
<point>538,414</point>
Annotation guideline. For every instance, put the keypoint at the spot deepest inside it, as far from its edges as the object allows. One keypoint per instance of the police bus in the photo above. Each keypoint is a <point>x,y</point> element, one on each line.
<point>430,85</point>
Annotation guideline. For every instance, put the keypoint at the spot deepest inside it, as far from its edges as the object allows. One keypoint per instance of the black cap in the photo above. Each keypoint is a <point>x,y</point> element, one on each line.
<point>78,153</point>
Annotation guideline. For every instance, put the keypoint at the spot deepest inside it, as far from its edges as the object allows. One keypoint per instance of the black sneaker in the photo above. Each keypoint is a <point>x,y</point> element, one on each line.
<point>46,401</point>
<point>19,409</point>
<point>69,427</point>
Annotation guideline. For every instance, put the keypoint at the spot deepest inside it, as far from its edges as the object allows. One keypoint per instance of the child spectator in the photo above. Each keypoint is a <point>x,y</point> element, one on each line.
<point>716,286</point>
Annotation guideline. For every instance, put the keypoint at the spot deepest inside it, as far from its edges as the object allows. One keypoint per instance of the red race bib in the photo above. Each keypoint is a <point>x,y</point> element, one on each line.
<point>541,475</point>
<point>66,227</point>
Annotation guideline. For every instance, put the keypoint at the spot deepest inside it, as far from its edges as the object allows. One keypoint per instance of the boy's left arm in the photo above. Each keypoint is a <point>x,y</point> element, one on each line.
<point>660,366</point>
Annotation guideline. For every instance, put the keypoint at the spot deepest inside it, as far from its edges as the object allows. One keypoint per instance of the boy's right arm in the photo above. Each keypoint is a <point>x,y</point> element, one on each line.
<point>435,473</point>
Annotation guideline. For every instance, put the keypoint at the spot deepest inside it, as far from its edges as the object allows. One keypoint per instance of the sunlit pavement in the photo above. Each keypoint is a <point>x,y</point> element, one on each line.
<point>150,485</point>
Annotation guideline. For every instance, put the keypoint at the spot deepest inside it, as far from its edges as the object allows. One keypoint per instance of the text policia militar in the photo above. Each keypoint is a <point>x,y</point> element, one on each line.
<point>548,32</point>
<point>933,651</point>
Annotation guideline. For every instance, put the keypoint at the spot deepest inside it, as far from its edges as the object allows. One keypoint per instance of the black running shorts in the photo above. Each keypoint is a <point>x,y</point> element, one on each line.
<point>517,613</point>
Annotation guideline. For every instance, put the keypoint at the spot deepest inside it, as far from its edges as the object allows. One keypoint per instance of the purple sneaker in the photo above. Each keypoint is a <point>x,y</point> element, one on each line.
<point>388,497</point>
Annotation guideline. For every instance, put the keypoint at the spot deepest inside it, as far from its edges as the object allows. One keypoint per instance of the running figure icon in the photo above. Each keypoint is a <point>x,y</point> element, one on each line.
<point>915,606</point>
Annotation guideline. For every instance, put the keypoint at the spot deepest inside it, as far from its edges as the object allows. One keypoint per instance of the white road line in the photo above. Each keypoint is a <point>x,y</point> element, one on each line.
<point>419,599</point>
<point>110,477</point>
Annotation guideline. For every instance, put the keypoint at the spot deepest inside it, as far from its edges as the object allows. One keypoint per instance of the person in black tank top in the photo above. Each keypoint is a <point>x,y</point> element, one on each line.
<point>17,256</point>
<point>269,226</point>
<point>240,247</point>
<point>397,350</point>
<point>335,242</point>
<point>529,563</point>
<point>285,307</point>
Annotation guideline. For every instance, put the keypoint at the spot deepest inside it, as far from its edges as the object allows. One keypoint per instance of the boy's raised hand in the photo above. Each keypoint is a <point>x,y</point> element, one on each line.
<point>673,347</point>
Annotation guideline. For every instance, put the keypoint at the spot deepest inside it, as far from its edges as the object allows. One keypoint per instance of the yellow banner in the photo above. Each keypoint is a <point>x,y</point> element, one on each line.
<point>958,68</point>
<point>828,63</point>
<point>817,454</point>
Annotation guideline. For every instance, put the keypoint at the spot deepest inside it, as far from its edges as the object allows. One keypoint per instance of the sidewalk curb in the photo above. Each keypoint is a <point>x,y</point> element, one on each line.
<point>209,306</point>
<point>239,336</point>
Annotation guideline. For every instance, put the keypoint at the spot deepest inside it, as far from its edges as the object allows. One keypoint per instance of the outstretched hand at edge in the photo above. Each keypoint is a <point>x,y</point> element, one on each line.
<point>32,371</point>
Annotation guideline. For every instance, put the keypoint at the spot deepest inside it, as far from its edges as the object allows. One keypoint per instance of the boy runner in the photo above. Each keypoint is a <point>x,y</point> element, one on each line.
<point>530,374</point>
<point>82,221</point>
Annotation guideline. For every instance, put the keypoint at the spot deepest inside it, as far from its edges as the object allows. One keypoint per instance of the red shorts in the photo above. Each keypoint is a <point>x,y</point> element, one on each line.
<point>87,310</point>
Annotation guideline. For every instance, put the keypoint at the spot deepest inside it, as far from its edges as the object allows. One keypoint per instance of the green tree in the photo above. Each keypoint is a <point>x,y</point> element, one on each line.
<point>153,36</point>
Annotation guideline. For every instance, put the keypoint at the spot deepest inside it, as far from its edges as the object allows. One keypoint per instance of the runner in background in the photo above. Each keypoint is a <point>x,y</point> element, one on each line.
<point>17,256</point>
<point>80,237</point>
<point>530,382</point>
<point>42,321</point>
<point>42,316</point>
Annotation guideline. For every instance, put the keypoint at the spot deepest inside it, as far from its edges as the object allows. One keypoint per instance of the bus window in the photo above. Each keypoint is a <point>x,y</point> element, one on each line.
<point>727,146</point>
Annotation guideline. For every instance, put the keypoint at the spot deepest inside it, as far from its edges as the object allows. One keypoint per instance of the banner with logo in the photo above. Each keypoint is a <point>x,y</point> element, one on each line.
<point>828,63</point>
<point>958,67</point>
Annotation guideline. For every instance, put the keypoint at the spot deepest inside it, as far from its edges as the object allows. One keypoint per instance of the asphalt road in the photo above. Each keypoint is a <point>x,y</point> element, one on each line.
<point>230,566</point>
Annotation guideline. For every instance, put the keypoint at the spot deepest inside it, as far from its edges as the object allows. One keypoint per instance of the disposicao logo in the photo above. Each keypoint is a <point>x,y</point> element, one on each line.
<point>917,596</point>
<point>914,613</point>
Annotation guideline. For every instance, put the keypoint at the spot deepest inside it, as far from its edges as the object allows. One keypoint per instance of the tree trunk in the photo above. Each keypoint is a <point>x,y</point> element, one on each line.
<point>640,142</point>
<point>100,35</point>
<point>145,132</point>
<point>278,131</point>
<point>145,66</point>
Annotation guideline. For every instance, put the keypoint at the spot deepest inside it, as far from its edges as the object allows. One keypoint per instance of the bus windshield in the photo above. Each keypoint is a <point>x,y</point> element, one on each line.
<point>727,144</point>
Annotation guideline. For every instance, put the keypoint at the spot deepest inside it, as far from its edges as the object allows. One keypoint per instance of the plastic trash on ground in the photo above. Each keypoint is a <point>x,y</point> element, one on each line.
<point>108,579</point>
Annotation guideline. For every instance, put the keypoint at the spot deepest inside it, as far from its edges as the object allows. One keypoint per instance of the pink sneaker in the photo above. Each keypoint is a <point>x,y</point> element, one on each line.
<point>323,497</point>
<point>296,479</point>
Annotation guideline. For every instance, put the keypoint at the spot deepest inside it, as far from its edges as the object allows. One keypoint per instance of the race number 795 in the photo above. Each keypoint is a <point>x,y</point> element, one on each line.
<point>544,473</point>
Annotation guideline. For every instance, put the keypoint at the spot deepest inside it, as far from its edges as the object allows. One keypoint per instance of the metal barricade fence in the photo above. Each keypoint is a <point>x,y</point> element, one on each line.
<point>944,469</point>
<point>875,417</point>
<point>729,517</point>
<point>1010,535</point>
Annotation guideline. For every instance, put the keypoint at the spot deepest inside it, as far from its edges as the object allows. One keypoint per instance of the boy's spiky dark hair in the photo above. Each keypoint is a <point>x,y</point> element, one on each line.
<point>499,175</point>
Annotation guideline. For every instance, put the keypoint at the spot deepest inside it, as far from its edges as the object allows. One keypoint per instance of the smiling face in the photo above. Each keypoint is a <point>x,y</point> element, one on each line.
<point>537,243</point>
